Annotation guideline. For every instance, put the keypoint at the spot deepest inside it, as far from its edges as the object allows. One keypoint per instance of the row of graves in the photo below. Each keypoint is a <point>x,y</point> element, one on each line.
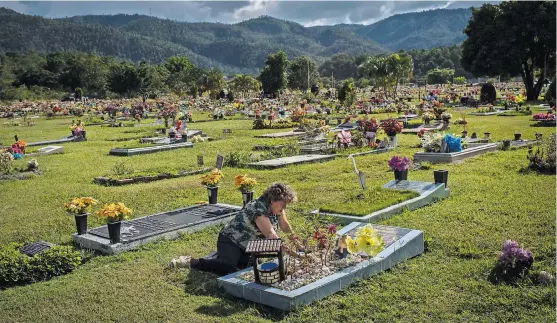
<point>281,276</point>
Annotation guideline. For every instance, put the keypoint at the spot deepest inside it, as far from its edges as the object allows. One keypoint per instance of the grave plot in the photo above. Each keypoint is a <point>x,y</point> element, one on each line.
<point>48,150</point>
<point>108,181</point>
<point>148,150</point>
<point>427,194</point>
<point>292,160</point>
<point>165,225</point>
<point>474,149</point>
<point>486,114</point>
<point>167,140</point>
<point>281,134</point>
<point>430,127</point>
<point>399,245</point>
<point>59,141</point>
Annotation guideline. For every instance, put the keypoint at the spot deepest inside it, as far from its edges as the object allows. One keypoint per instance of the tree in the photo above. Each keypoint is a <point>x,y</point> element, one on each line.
<point>298,72</point>
<point>273,76</point>
<point>459,80</point>
<point>387,71</point>
<point>440,76</point>
<point>244,83</point>
<point>550,94</point>
<point>346,92</point>
<point>512,38</point>
<point>123,79</point>
<point>215,82</point>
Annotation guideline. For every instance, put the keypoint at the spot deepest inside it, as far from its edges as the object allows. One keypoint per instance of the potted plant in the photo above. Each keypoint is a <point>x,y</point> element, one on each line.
<point>391,127</point>
<point>446,116</point>
<point>114,213</point>
<point>400,166</point>
<point>211,181</point>
<point>79,208</point>
<point>245,184</point>
<point>427,116</point>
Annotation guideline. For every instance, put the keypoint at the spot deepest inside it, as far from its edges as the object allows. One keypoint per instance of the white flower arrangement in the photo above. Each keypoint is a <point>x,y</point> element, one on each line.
<point>431,142</point>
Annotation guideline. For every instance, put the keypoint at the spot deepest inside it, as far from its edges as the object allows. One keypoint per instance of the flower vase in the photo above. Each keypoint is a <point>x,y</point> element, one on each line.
<point>81,223</point>
<point>393,141</point>
<point>426,121</point>
<point>212,192</point>
<point>401,175</point>
<point>517,136</point>
<point>114,231</point>
<point>441,176</point>
<point>247,197</point>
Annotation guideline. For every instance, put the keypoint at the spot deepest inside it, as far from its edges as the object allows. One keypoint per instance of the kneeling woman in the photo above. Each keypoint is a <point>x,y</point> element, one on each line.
<point>257,220</point>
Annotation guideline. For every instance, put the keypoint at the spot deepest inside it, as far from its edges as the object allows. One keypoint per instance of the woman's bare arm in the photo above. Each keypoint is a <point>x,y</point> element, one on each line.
<point>265,226</point>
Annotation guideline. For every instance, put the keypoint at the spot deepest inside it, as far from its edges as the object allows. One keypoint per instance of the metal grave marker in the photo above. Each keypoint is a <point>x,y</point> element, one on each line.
<point>35,248</point>
<point>199,160</point>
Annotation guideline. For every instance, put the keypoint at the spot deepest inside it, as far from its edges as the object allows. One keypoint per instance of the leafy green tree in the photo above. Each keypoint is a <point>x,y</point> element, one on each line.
<point>440,76</point>
<point>298,72</point>
<point>459,80</point>
<point>244,83</point>
<point>387,71</point>
<point>346,93</point>
<point>273,76</point>
<point>341,66</point>
<point>124,79</point>
<point>215,82</point>
<point>514,38</point>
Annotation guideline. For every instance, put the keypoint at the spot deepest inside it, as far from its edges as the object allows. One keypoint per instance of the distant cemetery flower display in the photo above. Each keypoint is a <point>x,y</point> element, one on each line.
<point>391,127</point>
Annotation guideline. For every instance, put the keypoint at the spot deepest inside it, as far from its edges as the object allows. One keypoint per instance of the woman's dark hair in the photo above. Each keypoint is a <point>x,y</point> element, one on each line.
<point>279,192</point>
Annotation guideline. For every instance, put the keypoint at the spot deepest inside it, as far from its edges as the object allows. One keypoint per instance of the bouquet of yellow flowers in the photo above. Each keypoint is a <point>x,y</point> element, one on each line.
<point>244,183</point>
<point>366,240</point>
<point>114,212</point>
<point>212,179</point>
<point>80,205</point>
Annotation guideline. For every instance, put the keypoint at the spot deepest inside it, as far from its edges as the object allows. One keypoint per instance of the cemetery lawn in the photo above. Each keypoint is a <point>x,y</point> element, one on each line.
<point>373,199</point>
<point>490,202</point>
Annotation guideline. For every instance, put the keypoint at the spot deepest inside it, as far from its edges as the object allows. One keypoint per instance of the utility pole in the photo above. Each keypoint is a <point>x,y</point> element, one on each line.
<point>308,76</point>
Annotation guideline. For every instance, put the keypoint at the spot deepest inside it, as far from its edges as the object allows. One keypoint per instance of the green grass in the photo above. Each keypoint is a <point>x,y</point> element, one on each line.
<point>490,201</point>
<point>373,199</point>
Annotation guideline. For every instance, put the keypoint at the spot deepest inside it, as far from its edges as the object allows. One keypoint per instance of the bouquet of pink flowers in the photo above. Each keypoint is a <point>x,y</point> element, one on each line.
<point>399,163</point>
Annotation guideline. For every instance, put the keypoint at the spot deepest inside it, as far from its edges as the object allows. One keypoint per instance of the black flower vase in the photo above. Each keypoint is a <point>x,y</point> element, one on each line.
<point>114,231</point>
<point>81,223</point>
<point>517,136</point>
<point>441,176</point>
<point>401,175</point>
<point>247,197</point>
<point>212,192</point>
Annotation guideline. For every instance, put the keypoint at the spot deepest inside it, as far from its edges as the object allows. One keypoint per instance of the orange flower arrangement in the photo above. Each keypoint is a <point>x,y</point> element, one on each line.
<point>212,179</point>
<point>80,205</point>
<point>114,212</point>
<point>244,183</point>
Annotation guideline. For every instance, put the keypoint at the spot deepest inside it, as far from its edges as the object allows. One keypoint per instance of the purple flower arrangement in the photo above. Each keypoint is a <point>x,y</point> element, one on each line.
<point>513,263</point>
<point>399,163</point>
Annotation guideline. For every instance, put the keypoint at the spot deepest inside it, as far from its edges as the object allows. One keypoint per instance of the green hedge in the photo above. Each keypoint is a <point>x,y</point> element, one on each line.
<point>17,268</point>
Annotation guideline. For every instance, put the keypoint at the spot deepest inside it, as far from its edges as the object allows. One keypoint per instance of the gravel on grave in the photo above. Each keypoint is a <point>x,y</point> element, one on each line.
<point>315,271</point>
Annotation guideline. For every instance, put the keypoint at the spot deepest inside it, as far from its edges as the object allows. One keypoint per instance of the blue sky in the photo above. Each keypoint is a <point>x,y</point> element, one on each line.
<point>307,13</point>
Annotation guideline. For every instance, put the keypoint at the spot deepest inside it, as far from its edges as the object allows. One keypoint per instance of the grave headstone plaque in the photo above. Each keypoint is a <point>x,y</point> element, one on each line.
<point>220,161</point>
<point>226,131</point>
<point>35,248</point>
<point>199,160</point>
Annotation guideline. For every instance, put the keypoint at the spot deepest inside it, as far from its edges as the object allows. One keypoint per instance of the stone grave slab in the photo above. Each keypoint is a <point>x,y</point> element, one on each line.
<point>437,126</point>
<point>474,149</point>
<point>293,160</point>
<point>485,114</point>
<point>429,193</point>
<point>522,143</point>
<point>165,225</point>
<point>148,150</point>
<point>281,134</point>
<point>58,141</point>
<point>400,245</point>
<point>48,150</point>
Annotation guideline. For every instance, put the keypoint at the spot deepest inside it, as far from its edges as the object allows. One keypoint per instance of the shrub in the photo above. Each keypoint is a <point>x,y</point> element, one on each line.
<point>513,263</point>
<point>258,124</point>
<point>543,159</point>
<point>236,159</point>
<point>18,269</point>
<point>488,93</point>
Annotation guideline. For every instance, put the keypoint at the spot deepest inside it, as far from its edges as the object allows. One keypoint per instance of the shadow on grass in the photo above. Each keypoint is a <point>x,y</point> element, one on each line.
<point>199,283</point>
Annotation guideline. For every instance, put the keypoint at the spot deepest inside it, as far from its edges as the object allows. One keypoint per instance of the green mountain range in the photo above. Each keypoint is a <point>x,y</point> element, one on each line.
<point>233,48</point>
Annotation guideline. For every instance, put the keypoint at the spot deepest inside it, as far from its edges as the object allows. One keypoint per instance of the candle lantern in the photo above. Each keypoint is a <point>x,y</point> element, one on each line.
<point>268,272</point>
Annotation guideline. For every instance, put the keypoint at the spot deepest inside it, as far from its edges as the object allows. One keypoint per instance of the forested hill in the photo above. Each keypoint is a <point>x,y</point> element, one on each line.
<point>241,47</point>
